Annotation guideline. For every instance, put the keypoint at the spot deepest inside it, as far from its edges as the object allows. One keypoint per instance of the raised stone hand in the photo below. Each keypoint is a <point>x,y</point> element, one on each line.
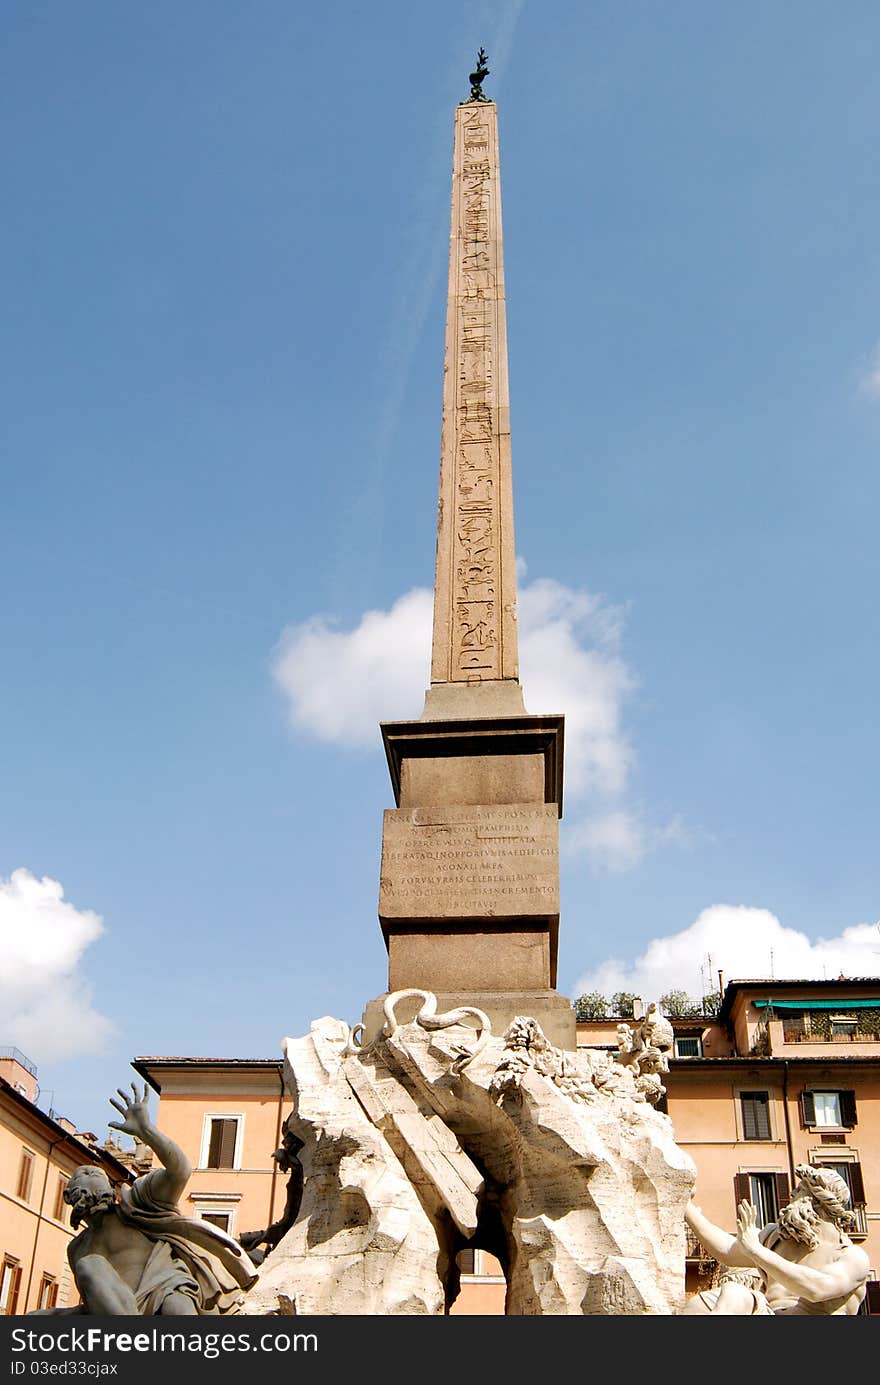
<point>135,1114</point>
<point>747,1227</point>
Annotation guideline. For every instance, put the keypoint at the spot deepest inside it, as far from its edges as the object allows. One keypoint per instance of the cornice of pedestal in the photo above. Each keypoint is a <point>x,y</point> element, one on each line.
<point>479,736</point>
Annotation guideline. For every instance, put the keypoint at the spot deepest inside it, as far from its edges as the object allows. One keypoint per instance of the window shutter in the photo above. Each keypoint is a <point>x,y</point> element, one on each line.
<point>750,1124</point>
<point>25,1173</point>
<point>221,1150</point>
<point>848,1108</point>
<point>227,1144</point>
<point>740,1189</point>
<point>755,1115</point>
<point>782,1190</point>
<point>12,1303</point>
<point>856,1185</point>
<point>873,1296</point>
<point>808,1108</point>
<point>214,1146</point>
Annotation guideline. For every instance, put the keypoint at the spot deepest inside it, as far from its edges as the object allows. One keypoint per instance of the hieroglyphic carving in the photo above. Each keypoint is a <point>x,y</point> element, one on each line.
<point>475,593</point>
<point>475,643</point>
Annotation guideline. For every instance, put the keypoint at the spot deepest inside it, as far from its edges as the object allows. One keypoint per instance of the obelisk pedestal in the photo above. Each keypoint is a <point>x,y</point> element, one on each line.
<point>469,891</point>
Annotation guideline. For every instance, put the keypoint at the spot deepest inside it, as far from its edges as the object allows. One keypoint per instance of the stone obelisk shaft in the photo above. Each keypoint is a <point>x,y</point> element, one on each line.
<point>474,661</point>
<point>469,882</point>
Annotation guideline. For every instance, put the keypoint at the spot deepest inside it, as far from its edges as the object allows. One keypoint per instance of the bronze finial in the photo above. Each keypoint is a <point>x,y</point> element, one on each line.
<point>476,78</point>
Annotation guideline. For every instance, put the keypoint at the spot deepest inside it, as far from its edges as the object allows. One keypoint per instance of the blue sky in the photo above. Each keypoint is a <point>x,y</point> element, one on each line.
<point>224,266</point>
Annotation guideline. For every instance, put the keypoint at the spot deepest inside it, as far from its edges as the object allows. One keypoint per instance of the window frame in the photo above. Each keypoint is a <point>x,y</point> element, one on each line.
<point>226,1209</point>
<point>207,1125</point>
<point>217,1204</point>
<point>751,1093</point>
<point>48,1294</point>
<point>481,1273</point>
<point>849,1159</point>
<point>780,1190</point>
<point>847,1108</point>
<point>10,1285</point>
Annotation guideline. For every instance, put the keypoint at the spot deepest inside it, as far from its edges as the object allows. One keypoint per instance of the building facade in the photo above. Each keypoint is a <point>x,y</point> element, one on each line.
<point>226,1114</point>
<point>38,1153</point>
<point>788,1073</point>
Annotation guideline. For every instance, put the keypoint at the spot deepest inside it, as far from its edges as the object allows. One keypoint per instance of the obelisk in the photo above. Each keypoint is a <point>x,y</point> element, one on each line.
<point>469,889</point>
<point>474,658</point>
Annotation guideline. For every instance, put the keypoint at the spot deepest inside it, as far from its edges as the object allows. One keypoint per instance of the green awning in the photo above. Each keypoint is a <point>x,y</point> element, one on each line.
<point>839,1005</point>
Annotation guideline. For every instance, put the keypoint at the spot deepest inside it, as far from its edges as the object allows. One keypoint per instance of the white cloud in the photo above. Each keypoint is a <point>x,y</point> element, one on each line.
<point>618,841</point>
<point>744,943</point>
<point>340,684</point>
<point>614,842</point>
<point>45,1003</point>
<point>870,381</point>
<point>569,662</point>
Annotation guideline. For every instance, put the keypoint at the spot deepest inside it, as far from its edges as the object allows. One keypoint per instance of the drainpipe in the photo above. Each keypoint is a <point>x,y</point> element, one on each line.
<point>40,1217</point>
<point>787,1122</point>
<point>277,1146</point>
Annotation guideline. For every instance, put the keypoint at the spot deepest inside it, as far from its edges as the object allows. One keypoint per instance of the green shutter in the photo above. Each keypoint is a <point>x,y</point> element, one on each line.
<point>808,1108</point>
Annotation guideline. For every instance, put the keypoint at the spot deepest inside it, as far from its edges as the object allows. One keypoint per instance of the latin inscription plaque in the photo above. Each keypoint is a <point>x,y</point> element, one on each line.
<point>470,862</point>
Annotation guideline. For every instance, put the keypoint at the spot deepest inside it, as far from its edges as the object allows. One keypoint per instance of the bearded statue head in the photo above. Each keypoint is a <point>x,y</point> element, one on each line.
<point>89,1190</point>
<point>820,1195</point>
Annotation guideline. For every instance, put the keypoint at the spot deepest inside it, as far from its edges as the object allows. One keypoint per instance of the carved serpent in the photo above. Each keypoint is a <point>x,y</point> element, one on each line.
<point>428,1018</point>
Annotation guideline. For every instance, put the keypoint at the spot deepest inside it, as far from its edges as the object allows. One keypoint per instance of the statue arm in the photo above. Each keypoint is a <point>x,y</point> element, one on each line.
<point>836,1280</point>
<point>816,1286</point>
<point>166,1184</point>
<point>725,1248</point>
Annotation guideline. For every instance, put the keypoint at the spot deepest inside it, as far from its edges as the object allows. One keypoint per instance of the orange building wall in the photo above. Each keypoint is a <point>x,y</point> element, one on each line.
<point>253,1193</point>
<point>29,1231</point>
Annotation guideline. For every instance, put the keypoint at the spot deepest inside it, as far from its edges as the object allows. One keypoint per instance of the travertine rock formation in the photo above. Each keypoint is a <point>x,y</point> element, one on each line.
<point>439,1135</point>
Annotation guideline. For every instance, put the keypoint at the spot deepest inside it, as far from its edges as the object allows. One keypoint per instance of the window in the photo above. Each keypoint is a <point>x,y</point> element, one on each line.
<point>48,1292</point>
<point>10,1280</point>
<point>480,1264</point>
<point>823,1108</point>
<point>60,1212</point>
<point>689,1048</point>
<point>850,1170</point>
<point>219,1208</point>
<point>851,1173</point>
<point>767,1192</point>
<point>25,1174</point>
<point>221,1142</point>
<point>843,1027</point>
<point>221,1147</point>
<point>221,1219</point>
<point>755,1115</point>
